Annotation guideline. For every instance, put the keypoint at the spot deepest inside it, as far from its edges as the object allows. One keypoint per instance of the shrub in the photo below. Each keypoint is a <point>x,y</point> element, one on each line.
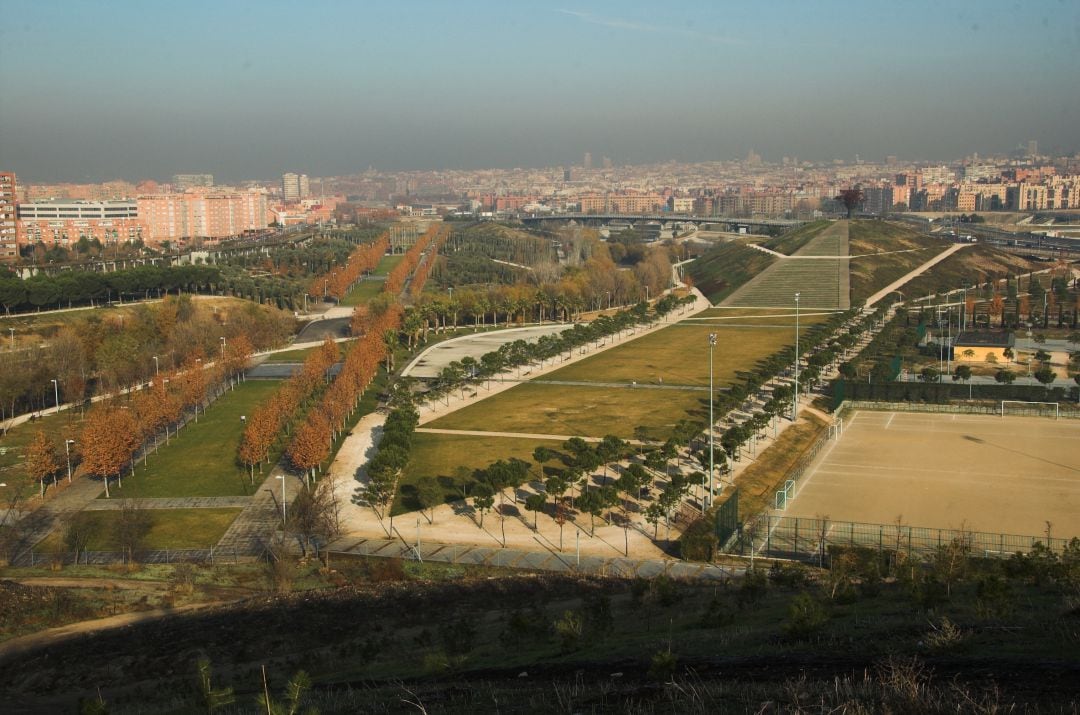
<point>806,617</point>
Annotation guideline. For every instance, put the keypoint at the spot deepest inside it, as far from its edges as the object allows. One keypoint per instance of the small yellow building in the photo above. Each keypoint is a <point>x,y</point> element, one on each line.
<point>982,347</point>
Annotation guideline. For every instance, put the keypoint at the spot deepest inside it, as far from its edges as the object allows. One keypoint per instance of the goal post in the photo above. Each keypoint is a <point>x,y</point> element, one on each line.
<point>1026,407</point>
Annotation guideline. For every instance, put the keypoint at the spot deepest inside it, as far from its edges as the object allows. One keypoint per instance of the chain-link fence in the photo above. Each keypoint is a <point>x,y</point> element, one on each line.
<point>210,555</point>
<point>809,539</point>
<point>992,407</point>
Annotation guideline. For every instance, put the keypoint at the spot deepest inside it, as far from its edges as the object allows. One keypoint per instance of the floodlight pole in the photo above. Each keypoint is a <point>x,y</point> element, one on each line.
<point>712,472</point>
<point>795,402</point>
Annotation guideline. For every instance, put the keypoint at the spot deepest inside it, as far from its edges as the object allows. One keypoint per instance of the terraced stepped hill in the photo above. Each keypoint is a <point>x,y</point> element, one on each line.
<point>722,270</point>
<point>791,241</point>
<point>818,272</point>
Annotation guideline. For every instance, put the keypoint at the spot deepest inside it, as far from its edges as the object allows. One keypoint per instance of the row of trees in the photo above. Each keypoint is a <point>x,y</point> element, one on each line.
<point>314,439</point>
<point>520,353</point>
<point>89,288</point>
<point>395,280</point>
<point>115,430</point>
<point>394,447</point>
<point>106,353</point>
<point>338,280</point>
<point>277,413</point>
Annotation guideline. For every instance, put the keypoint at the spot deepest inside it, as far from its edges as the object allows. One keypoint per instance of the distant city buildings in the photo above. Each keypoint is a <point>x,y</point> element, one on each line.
<point>183,182</point>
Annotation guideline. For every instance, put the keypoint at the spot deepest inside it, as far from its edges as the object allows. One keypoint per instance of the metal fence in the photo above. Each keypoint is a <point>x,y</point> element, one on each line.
<point>209,555</point>
<point>787,491</point>
<point>808,539</point>
<point>568,561</point>
<point>990,408</point>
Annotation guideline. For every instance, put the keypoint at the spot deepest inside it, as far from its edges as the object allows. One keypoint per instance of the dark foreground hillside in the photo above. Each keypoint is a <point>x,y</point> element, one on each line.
<point>951,636</point>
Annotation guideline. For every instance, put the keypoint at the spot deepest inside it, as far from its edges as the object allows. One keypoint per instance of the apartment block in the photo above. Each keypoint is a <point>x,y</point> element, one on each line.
<point>9,232</point>
<point>65,222</point>
<point>295,187</point>
<point>203,214</point>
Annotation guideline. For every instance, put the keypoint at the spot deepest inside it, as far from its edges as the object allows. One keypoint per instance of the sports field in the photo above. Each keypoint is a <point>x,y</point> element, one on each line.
<point>1007,475</point>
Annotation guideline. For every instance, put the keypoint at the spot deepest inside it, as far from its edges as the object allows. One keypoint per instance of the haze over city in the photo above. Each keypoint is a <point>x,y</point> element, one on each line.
<point>102,90</point>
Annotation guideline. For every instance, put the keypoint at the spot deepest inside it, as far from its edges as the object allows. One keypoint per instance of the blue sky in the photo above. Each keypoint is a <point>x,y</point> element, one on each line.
<point>93,90</point>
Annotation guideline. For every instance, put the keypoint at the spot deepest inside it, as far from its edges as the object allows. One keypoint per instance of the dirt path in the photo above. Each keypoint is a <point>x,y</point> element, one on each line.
<point>918,271</point>
<point>33,641</point>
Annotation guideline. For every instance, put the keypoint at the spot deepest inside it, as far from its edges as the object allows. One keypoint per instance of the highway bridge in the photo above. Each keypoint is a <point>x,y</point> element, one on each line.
<point>732,224</point>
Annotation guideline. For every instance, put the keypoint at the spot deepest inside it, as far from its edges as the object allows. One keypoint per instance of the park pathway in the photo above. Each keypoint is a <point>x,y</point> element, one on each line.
<point>913,274</point>
<point>70,499</point>
<point>171,503</point>
<point>253,528</point>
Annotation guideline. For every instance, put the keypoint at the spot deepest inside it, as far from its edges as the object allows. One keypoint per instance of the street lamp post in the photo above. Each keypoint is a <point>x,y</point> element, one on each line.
<point>712,473</point>
<point>157,366</point>
<point>56,394</point>
<point>67,453</point>
<point>282,478</point>
<point>795,402</point>
<point>222,348</point>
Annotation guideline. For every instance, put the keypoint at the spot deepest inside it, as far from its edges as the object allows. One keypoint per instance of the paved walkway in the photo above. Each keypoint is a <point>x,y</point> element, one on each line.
<point>261,517</point>
<point>70,499</point>
<point>913,274</point>
<point>171,503</point>
<point>431,361</point>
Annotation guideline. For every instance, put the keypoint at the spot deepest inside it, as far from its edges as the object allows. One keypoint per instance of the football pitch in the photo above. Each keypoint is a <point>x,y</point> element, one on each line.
<point>1009,474</point>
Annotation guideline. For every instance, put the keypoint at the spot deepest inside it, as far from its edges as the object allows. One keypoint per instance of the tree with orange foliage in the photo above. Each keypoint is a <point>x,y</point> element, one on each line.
<point>238,350</point>
<point>311,444</point>
<point>259,433</point>
<point>41,459</point>
<point>193,385</point>
<point>107,442</point>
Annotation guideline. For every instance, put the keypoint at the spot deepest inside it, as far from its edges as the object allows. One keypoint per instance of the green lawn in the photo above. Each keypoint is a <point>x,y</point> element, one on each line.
<point>65,425</point>
<point>362,292</point>
<point>679,355</point>
<point>367,289</point>
<point>451,459</point>
<point>387,264</point>
<point>202,461</point>
<point>578,410</point>
<point>170,528</point>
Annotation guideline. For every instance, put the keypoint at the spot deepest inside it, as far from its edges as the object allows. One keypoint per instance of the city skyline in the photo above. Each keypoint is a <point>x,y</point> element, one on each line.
<point>96,91</point>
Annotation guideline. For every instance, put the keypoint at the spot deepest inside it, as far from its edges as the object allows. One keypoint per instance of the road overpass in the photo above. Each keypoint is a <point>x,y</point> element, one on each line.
<point>734,224</point>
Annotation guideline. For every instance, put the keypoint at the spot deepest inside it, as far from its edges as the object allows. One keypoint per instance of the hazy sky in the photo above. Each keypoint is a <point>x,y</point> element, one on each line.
<point>92,90</point>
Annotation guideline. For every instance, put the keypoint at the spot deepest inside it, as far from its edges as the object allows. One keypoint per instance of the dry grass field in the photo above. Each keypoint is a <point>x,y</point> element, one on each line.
<point>979,472</point>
